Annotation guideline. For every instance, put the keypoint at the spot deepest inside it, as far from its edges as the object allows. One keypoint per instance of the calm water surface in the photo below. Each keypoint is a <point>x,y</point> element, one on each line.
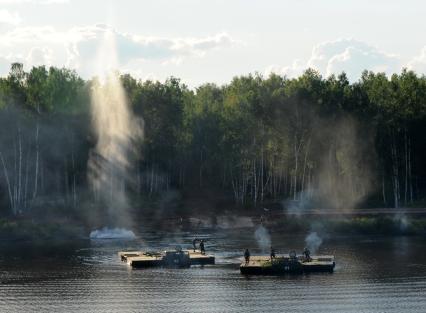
<point>372,275</point>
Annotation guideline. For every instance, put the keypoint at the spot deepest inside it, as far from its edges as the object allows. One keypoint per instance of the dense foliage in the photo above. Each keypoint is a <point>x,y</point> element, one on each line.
<point>308,141</point>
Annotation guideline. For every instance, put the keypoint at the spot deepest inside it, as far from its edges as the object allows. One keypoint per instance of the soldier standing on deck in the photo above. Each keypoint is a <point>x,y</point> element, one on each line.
<point>307,255</point>
<point>272,253</point>
<point>247,256</point>
<point>194,243</point>
<point>203,251</point>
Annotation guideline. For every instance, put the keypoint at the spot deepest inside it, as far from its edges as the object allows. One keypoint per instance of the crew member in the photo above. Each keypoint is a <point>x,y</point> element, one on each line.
<point>194,243</point>
<point>247,256</point>
<point>272,253</point>
<point>307,254</point>
<point>203,251</point>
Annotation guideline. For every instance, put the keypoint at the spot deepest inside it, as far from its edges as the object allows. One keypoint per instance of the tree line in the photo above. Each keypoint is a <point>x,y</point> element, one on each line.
<point>309,141</point>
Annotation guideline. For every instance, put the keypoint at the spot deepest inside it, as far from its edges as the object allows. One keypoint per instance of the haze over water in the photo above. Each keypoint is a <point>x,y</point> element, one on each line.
<point>371,275</point>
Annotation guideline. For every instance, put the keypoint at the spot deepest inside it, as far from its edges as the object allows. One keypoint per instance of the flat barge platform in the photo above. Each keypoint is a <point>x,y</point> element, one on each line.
<point>170,258</point>
<point>287,264</point>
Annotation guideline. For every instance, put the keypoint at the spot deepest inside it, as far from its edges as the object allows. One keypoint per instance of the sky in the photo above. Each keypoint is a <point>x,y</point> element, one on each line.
<point>203,41</point>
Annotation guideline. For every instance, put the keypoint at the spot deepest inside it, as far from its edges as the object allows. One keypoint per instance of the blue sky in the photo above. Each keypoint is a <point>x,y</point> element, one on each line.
<point>212,41</point>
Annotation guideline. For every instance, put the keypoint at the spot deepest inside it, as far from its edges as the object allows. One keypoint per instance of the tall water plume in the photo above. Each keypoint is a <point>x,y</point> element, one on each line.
<point>117,132</point>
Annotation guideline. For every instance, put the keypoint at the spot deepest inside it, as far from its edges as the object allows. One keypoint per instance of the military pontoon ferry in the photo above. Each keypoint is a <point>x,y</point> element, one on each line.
<point>287,263</point>
<point>176,258</point>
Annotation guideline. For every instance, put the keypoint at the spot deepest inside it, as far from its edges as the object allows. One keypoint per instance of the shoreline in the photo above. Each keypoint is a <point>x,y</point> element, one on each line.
<point>388,225</point>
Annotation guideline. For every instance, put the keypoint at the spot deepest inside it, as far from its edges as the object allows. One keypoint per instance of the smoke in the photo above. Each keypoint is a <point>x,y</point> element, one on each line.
<point>345,177</point>
<point>340,160</point>
<point>114,233</point>
<point>313,242</point>
<point>118,133</point>
<point>303,204</point>
<point>263,238</point>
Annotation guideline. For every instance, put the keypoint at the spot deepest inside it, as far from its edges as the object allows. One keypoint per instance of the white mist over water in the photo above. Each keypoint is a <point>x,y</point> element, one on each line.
<point>118,133</point>
<point>263,238</point>
<point>112,233</point>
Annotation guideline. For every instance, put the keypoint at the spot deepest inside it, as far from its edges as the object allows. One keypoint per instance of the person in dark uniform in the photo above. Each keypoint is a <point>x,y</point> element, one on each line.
<point>272,253</point>
<point>247,256</point>
<point>194,243</point>
<point>307,254</point>
<point>203,251</point>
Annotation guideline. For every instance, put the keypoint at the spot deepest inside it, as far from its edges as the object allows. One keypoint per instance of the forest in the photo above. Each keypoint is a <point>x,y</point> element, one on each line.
<point>305,142</point>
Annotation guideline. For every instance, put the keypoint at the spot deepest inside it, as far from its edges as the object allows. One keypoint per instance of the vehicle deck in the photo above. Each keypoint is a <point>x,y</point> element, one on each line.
<point>282,264</point>
<point>150,259</point>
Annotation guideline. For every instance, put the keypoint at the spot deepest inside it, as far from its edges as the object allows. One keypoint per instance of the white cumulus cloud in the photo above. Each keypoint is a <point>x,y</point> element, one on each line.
<point>345,55</point>
<point>39,56</point>
<point>78,47</point>
<point>293,70</point>
<point>418,63</point>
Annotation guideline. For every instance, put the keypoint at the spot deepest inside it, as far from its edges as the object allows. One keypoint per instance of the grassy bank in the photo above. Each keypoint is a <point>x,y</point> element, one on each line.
<point>174,213</point>
<point>365,225</point>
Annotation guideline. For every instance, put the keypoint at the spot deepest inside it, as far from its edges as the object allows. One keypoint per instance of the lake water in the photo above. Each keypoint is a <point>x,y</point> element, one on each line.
<point>372,275</point>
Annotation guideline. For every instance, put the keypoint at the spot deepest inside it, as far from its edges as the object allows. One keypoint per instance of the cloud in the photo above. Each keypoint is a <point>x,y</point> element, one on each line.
<point>7,17</point>
<point>141,47</point>
<point>39,56</point>
<point>32,45</point>
<point>348,55</point>
<point>4,65</point>
<point>201,45</point>
<point>353,57</point>
<point>85,41</point>
<point>294,70</point>
<point>78,47</point>
<point>418,63</point>
<point>36,56</point>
